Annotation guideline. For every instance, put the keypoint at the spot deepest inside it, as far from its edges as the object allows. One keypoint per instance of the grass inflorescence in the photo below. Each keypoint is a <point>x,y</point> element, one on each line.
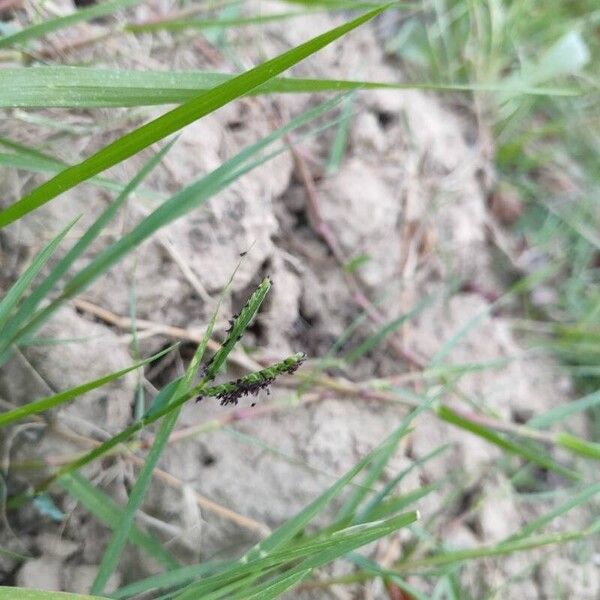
<point>251,384</point>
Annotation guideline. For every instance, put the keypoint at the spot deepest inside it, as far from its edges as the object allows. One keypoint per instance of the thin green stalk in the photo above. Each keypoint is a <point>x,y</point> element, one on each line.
<point>176,119</point>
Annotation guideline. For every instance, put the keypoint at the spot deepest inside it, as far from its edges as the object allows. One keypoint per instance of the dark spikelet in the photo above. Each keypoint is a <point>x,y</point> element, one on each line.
<point>207,367</point>
<point>231,323</point>
<point>251,384</point>
<point>243,388</point>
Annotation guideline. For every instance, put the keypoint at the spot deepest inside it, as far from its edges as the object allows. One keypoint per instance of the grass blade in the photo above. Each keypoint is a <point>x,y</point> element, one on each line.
<point>340,141</point>
<point>503,548</point>
<point>315,553</point>
<point>18,289</point>
<point>176,119</point>
<point>44,404</point>
<point>538,457</point>
<point>121,533</point>
<point>564,411</point>
<point>583,496</point>
<point>178,205</point>
<point>117,542</point>
<point>579,446</point>
<point>60,269</point>
<point>91,87</point>
<point>86,14</point>
<point>373,341</point>
<point>9,593</point>
<point>103,507</point>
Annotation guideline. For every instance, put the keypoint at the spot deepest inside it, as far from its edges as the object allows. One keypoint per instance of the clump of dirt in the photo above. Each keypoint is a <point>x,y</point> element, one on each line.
<point>407,201</point>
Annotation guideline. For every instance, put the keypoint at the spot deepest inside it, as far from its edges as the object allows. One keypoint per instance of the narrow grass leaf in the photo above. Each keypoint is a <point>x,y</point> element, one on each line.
<point>340,141</point>
<point>577,500</point>
<point>28,307</point>
<point>103,507</point>
<point>537,457</point>
<point>183,115</point>
<point>178,205</point>
<point>91,87</point>
<point>27,152</point>
<point>395,481</point>
<point>33,408</point>
<point>503,548</point>
<point>564,411</point>
<point>578,446</point>
<point>121,533</point>
<point>10,593</point>
<point>177,388</point>
<point>394,504</point>
<point>35,165</point>
<point>183,24</point>
<point>18,289</point>
<point>373,341</point>
<point>386,575</point>
<point>274,589</point>
<point>48,26</point>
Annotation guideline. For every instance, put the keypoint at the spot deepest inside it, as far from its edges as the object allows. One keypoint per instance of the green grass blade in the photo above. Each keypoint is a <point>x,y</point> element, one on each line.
<point>176,119</point>
<point>564,411</point>
<point>44,404</point>
<point>35,165</point>
<point>30,159</point>
<point>91,87</point>
<point>394,504</point>
<point>86,14</point>
<point>368,565</point>
<point>274,589</point>
<point>121,533</point>
<point>18,289</point>
<point>340,141</point>
<point>578,499</point>
<point>9,593</point>
<point>60,269</point>
<point>578,446</point>
<point>373,341</point>
<point>27,152</point>
<point>537,457</point>
<point>178,205</point>
<point>314,553</point>
<point>501,549</point>
<point>183,24</point>
<point>103,507</point>
<point>380,496</point>
<point>174,578</point>
<point>117,543</point>
<point>296,524</point>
